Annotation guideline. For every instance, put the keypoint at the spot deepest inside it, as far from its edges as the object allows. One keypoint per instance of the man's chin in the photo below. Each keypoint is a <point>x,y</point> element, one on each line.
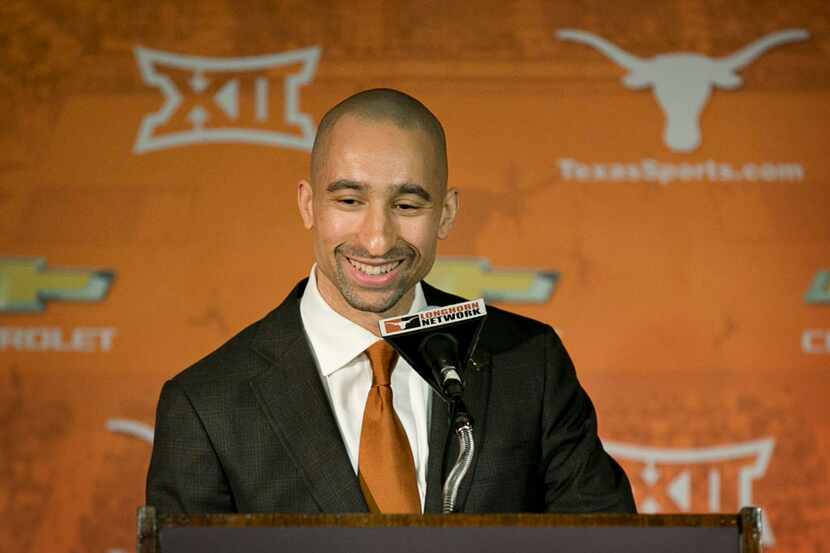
<point>378,301</point>
<point>371,297</point>
<point>373,303</point>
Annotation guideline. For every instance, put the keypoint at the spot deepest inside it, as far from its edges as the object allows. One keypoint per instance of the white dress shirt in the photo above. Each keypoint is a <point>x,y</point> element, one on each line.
<point>338,346</point>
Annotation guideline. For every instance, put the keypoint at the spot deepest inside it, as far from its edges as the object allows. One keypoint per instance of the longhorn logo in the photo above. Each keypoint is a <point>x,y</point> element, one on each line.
<point>403,323</point>
<point>132,428</point>
<point>227,99</point>
<point>696,479</point>
<point>682,82</point>
<point>473,277</point>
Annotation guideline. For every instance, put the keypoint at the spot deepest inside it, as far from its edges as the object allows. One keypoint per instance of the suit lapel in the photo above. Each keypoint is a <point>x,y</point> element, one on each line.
<point>443,443</point>
<point>292,397</point>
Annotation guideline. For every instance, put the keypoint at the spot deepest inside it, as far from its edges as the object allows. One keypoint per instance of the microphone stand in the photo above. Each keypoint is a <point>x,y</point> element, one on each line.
<point>462,424</point>
<point>440,351</point>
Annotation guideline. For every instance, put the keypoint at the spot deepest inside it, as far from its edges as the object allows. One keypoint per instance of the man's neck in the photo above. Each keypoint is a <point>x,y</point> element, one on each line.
<point>366,319</point>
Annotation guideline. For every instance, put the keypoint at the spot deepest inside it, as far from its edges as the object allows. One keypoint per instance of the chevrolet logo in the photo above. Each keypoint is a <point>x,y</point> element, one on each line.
<point>819,291</point>
<point>26,284</point>
<point>473,277</point>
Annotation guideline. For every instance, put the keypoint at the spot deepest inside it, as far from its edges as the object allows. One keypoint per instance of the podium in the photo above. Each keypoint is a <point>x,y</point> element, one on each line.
<point>457,533</point>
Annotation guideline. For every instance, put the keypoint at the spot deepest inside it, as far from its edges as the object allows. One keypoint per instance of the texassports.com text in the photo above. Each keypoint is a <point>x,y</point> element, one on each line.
<point>664,173</point>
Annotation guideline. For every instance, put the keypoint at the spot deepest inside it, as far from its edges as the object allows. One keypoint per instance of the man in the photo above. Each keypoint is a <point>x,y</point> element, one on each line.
<point>297,412</point>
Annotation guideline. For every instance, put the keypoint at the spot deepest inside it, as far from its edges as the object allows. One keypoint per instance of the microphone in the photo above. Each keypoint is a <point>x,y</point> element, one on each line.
<point>438,342</point>
<point>440,351</point>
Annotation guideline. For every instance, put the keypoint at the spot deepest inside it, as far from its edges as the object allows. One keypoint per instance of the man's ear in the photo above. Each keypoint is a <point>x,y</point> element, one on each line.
<point>452,203</point>
<point>305,202</point>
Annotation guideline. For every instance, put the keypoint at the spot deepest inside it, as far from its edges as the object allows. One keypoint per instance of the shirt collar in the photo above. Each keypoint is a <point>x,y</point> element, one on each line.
<point>336,340</point>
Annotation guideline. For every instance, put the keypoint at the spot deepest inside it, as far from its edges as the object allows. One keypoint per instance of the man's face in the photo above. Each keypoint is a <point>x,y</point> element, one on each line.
<point>376,209</point>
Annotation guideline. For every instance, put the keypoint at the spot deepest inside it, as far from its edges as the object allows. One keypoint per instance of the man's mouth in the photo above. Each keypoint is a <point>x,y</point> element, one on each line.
<point>374,270</point>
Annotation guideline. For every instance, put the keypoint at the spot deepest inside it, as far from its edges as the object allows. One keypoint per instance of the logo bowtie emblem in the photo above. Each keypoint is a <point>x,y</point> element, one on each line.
<point>26,284</point>
<point>683,82</point>
<point>252,99</point>
<point>819,291</point>
<point>472,277</point>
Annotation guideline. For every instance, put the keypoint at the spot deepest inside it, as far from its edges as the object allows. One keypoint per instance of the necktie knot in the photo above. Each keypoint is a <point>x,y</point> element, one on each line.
<point>382,357</point>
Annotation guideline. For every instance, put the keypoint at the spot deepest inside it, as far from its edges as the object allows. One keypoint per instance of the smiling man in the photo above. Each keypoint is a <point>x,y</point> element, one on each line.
<point>308,410</point>
<point>377,203</point>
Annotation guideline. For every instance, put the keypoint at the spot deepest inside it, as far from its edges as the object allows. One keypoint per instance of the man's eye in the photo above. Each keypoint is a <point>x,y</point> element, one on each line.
<point>406,206</point>
<point>348,201</point>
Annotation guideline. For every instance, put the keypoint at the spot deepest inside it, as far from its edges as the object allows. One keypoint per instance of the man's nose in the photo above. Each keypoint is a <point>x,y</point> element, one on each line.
<point>378,232</point>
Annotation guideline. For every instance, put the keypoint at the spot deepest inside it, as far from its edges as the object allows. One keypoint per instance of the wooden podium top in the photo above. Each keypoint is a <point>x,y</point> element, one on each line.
<point>740,532</point>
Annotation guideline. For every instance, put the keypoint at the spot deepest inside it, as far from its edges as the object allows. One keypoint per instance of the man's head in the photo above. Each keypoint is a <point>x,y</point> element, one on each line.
<point>377,202</point>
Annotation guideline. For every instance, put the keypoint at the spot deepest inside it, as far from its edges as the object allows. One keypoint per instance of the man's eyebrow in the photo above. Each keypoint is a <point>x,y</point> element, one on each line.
<point>400,190</point>
<point>414,189</point>
<point>345,184</point>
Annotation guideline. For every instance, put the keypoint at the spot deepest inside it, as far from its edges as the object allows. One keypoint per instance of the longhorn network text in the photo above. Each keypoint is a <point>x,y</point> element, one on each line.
<point>650,170</point>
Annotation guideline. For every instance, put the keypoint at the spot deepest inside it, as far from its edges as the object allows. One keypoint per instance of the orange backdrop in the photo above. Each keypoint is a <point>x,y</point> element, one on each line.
<point>149,156</point>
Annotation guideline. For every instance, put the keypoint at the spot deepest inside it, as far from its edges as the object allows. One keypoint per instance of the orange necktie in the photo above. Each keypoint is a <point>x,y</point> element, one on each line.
<point>385,465</point>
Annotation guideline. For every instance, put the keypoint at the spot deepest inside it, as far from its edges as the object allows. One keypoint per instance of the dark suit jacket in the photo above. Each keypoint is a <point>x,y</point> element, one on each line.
<point>249,428</point>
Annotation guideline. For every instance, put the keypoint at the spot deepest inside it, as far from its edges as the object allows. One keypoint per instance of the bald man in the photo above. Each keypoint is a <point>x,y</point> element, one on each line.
<point>277,419</point>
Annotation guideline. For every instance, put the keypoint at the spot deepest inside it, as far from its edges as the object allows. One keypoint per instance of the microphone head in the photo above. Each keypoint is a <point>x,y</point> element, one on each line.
<point>440,351</point>
<point>436,336</point>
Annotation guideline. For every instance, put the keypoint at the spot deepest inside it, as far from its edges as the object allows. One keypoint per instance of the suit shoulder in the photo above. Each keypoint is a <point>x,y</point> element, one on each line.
<point>250,351</point>
<point>505,330</point>
<point>232,360</point>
